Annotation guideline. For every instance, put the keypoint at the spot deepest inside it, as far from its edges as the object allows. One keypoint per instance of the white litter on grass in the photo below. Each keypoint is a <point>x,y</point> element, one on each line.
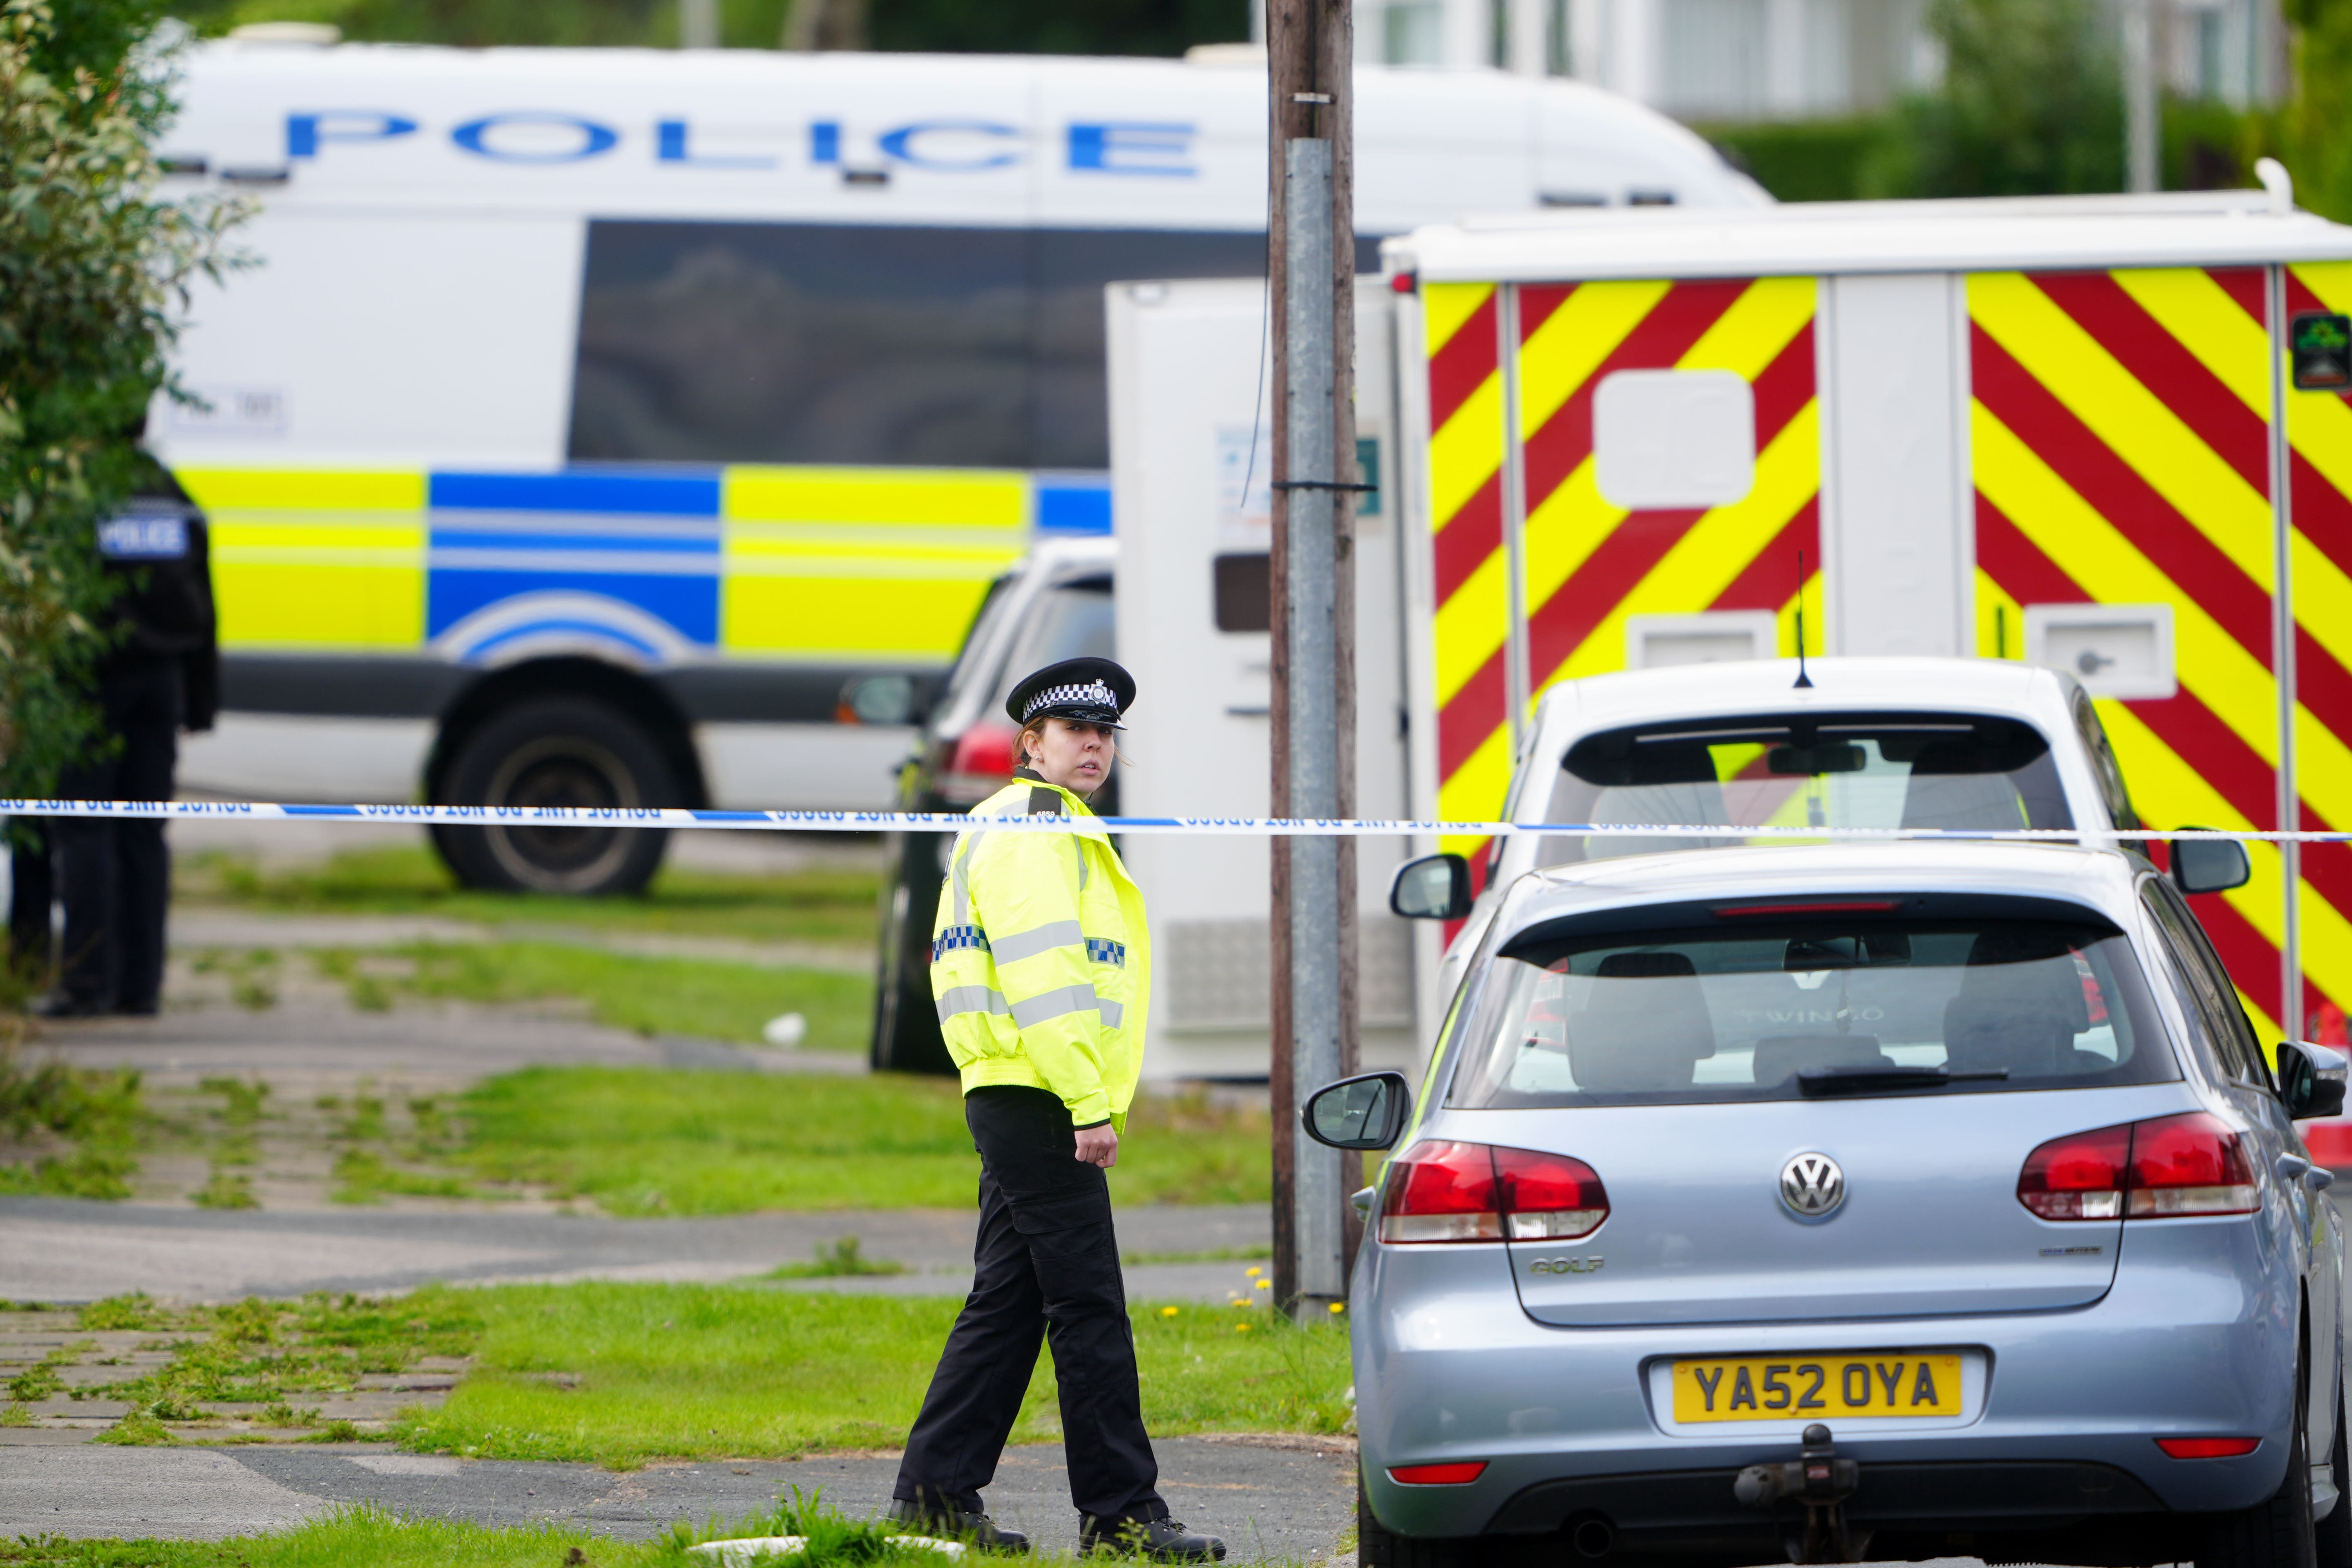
<point>755,1549</point>
<point>785,1030</point>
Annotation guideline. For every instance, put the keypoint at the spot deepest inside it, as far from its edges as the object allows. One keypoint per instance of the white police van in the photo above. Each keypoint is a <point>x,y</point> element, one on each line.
<point>594,414</point>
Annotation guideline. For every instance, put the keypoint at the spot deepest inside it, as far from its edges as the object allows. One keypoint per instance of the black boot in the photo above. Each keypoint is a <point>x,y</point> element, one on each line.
<point>972,1529</point>
<point>1155,1540</point>
<point>65,1004</point>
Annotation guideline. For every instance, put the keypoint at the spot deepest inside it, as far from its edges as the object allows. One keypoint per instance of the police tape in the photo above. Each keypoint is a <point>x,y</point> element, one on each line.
<point>956,822</point>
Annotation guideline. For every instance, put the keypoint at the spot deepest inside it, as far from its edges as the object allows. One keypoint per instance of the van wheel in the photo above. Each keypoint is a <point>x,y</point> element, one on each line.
<point>556,750</point>
<point>2277,1533</point>
<point>1377,1547</point>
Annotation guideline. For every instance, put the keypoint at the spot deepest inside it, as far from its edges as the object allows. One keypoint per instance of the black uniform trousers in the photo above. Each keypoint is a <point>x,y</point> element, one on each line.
<point>114,874</point>
<point>32,890</point>
<point>1046,1267</point>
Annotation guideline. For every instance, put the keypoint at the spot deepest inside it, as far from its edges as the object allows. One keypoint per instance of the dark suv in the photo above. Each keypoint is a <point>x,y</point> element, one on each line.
<point>1056,605</point>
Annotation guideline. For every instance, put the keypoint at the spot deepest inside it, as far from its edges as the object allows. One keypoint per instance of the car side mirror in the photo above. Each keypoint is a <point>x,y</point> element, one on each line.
<point>1434,888</point>
<point>2209,865</point>
<point>1366,1113</point>
<point>878,700</point>
<point>2311,1079</point>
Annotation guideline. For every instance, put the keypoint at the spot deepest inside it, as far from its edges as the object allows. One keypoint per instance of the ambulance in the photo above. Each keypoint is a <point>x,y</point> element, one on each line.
<point>591,416</point>
<point>2107,435</point>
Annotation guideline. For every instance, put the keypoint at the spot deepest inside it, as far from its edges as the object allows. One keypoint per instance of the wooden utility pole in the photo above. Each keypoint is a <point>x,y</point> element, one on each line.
<point>1311,268</point>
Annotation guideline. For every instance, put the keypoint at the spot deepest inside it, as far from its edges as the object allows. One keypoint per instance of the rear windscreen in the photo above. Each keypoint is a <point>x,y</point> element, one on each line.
<point>1814,770</point>
<point>1747,1008</point>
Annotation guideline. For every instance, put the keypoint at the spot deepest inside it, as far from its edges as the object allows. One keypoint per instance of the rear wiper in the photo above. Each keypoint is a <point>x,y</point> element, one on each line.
<point>1814,1082</point>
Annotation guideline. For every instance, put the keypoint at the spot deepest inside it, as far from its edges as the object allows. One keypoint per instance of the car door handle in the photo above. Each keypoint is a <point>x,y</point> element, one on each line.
<point>2291,1166</point>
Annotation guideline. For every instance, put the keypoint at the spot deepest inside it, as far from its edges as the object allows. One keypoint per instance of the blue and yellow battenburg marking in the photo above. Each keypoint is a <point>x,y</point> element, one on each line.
<point>787,563</point>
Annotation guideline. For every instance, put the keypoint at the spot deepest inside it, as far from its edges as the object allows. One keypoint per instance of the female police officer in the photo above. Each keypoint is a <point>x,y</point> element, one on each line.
<point>1041,966</point>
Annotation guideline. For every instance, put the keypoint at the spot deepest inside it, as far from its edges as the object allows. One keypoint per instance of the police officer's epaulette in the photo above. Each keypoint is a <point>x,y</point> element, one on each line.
<point>1044,802</point>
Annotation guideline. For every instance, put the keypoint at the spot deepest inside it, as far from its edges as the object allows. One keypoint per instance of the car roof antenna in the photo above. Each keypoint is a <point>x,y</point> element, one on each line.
<point>1804,681</point>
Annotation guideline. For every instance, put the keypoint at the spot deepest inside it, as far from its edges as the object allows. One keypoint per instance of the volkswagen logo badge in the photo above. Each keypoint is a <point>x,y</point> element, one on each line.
<point>1812,1185</point>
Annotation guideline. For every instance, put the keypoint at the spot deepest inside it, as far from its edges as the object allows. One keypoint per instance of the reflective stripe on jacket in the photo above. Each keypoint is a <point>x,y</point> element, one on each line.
<point>1041,962</point>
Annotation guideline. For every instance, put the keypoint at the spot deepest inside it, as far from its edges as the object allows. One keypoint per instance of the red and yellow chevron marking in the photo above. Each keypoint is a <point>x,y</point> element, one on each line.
<point>2319,465</point>
<point>2120,429</point>
<point>1471,566</point>
<point>1590,564</point>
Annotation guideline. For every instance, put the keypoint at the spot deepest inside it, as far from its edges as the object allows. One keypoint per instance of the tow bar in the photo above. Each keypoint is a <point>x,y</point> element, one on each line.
<point>1822,1482</point>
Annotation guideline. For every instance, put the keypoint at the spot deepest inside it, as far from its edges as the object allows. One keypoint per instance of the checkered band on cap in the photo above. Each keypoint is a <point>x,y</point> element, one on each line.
<point>1092,694</point>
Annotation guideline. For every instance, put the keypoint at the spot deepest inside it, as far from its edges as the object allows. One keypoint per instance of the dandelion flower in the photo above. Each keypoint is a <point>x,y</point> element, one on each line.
<point>1338,1306</point>
<point>1241,1328</point>
<point>1253,1271</point>
<point>1170,1312</point>
<point>1265,1283</point>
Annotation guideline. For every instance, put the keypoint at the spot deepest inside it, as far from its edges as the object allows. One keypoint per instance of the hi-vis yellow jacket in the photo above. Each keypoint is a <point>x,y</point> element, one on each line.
<point>1041,962</point>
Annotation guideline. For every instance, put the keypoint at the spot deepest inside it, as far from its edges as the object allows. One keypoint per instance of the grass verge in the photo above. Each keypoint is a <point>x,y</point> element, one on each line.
<point>706,998</point>
<point>712,998</point>
<point>647,1141</point>
<point>366,1536</point>
<point>623,1373</point>
<point>825,904</point>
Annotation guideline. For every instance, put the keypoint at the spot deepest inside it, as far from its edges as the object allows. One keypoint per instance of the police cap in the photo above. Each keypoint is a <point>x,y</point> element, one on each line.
<point>1086,690</point>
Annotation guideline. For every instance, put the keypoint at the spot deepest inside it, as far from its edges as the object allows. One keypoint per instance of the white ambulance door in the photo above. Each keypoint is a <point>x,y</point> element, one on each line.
<point>1190,473</point>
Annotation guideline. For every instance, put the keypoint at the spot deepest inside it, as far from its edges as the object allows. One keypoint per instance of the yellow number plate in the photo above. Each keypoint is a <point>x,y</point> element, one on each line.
<point>1818,1387</point>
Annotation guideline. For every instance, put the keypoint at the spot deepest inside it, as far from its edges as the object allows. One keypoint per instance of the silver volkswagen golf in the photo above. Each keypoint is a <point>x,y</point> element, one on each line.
<point>1846,1202</point>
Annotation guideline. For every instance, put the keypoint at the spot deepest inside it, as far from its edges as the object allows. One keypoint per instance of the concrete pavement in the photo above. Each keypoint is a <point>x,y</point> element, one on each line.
<point>69,1250</point>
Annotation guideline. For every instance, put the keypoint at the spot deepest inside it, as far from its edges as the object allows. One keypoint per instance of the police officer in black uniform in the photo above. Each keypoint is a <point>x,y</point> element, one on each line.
<point>160,674</point>
<point>1045,1112</point>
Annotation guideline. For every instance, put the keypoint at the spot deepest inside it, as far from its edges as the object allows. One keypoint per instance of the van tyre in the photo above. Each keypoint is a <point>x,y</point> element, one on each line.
<point>556,750</point>
<point>1377,1547</point>
<point>2277,1533</point>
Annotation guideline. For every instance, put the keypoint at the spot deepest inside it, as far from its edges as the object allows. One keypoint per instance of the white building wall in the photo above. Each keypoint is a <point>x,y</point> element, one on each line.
<point>1748,60</point>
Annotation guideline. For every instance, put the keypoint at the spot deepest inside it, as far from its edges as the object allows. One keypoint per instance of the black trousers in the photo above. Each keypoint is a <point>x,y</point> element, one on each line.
<point>32,890</point>
<point>1045,1268</point>
<point>115,875</point>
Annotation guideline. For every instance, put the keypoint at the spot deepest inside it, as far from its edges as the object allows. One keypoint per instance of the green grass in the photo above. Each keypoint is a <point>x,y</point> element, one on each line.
<point>363,1535</point>
<point>647,1141</point>
<point>823,904</point>
<point>366,1536</point>
<point>714,999</point>
<point>842,1259</point>
<point>260,1351</point>
<point>623,1374</point>
<point>93,1119</point>
<point>652,1372</point>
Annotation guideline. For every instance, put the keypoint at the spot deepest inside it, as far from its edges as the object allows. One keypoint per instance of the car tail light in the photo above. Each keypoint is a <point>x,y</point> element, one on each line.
<point>2080,1177</point>
<point>1443,1192</point>
<point>1440,1191</point>
<point>2189,1165</point>
<point>980,765</point>
<point>2209,1447</point>
<point>1461,1472</point>
<point>1548,1197</point>
<point>2169,1167</point>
